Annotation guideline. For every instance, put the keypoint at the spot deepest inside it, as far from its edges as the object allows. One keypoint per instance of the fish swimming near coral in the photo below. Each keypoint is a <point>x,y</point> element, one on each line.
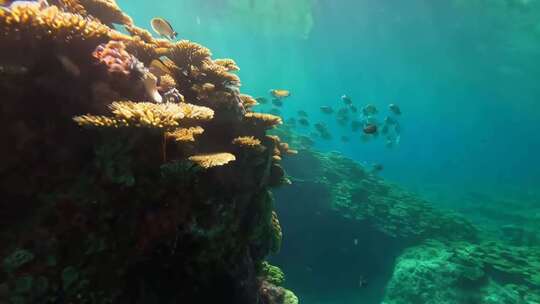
<point>369,110</point>
<point>302,113</point>
<point>291,121</point>
<point>353,109</point>
<point>275,111</point>
<point>163,28</point>
<point>370,128</point>
<point>303,121</point>
<point>280,94</point>
<point>394,108</point>
<point>327,110</point>
<point>277,102</point>
<point>346,100</point>
<point>262,100</point>
<point>345,139</point>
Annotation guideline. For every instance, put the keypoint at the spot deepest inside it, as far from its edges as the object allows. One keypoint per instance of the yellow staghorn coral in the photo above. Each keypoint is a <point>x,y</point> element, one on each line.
<point>212,160</point>
<point>248,101</point>
<point>73,6</point>
<point>228,64</point>
<point>49,23</point>
<point>196,112</point>
<point>185,53</point>
<point>166,82</point>
<point>263,119</point>
<point>134,30</point>
<point>185,134</point>
<point>145,35</point>
<point>247,141</point>
<point>147,115</point>
<point>107,11</point>
<point>99,121</point>
<point>217,74</point>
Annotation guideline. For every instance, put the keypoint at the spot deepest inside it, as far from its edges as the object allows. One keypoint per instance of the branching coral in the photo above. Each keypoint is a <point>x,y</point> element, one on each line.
<point>185,54</point>
<point>248,101</point>
<point>212,160</point>
<point>30,22</point>
<point>107,11</point>
<point>166,83</point>
<point>264,120</point>
<point>185,134</point>
<point>228,64</point>
<point>148,115</point>
<point>247,141</point>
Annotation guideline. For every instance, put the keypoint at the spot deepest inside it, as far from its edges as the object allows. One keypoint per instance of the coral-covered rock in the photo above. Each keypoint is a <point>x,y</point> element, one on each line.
<point>437,272</point>
<point>110,198</point>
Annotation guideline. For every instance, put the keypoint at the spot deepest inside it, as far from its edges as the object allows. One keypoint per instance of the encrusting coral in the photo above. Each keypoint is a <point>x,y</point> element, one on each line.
<point>163,191</point>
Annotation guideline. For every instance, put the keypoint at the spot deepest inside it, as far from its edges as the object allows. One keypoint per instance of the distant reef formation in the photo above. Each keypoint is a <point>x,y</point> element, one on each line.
<point>358,231</point>
<point>133,170</point>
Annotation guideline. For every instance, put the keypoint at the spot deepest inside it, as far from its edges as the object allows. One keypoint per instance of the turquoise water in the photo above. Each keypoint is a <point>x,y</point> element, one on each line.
<point>464,74</point>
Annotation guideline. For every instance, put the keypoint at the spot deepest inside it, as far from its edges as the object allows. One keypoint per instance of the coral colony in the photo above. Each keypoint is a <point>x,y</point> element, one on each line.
<point>137,172</point>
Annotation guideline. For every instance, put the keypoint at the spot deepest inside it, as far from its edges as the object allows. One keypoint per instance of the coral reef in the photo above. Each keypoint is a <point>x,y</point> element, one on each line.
<point>461,272</point>
<point>355,220</point>
<point>111,198</point>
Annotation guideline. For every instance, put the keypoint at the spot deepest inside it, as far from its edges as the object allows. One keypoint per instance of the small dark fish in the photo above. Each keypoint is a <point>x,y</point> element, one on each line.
<point>394,108</point>
<point>320,127</point>
<point>346,100</point>
<point>291,121</point>
<point>327,110</point>
<point>326,135</point>
<point>163,28</point>
<point>303,121</point>
<point>277,102</point>
<point>370,128</point>
<point>345,139</point>
<point>362,282</point>
<point>275,111</point>
<point>302,113</point>
<point>262,100</point>
<point>376,168</point>
<point>356,125</point>
<point>353,109</point>
<point>369,110</point>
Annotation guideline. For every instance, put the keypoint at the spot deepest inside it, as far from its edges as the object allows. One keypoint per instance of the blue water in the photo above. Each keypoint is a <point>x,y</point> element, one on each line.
<point>465,76</point>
